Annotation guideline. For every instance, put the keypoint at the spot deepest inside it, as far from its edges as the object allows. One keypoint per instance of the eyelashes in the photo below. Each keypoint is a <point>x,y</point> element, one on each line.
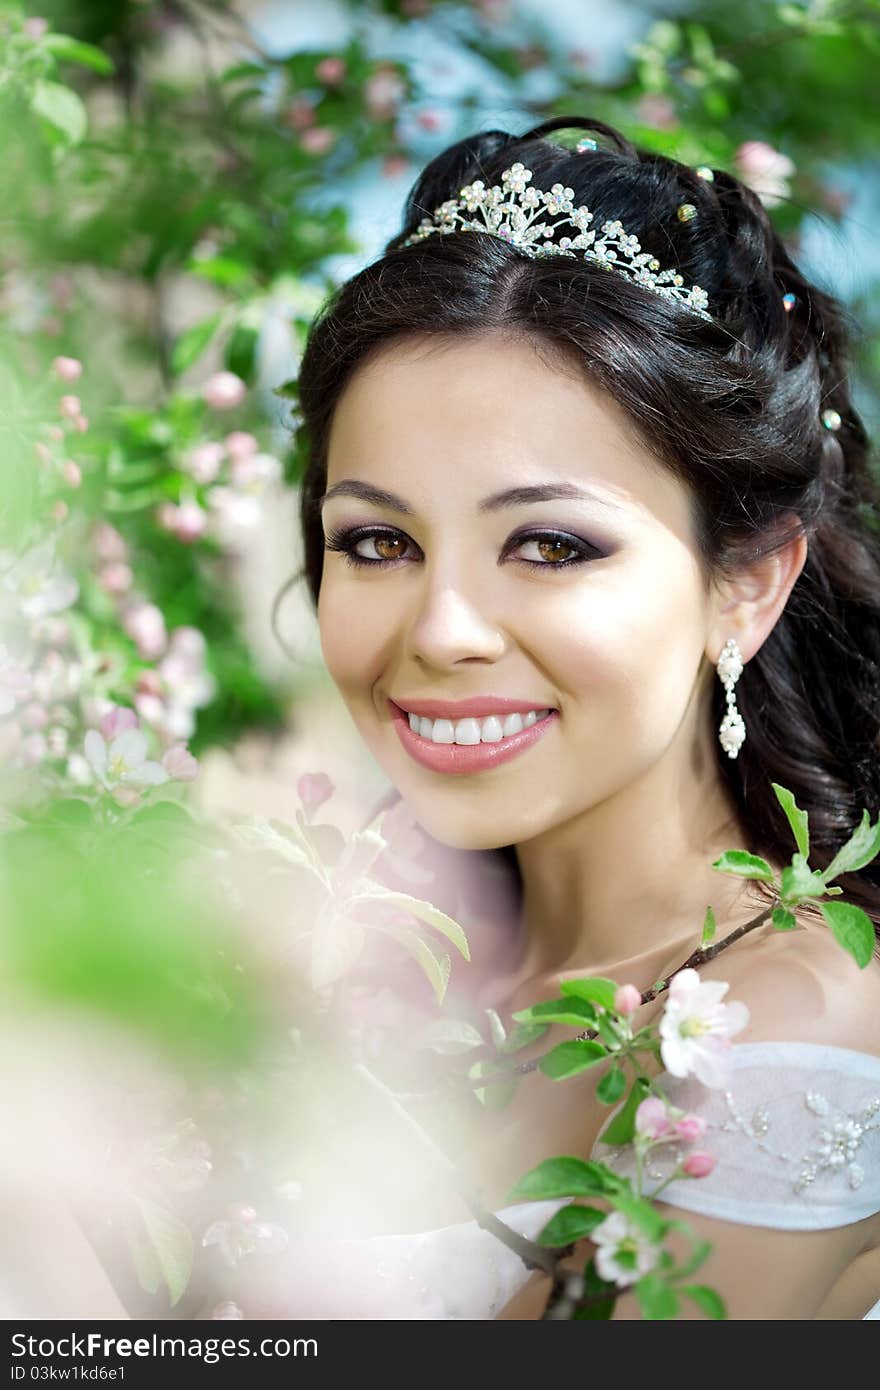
<point>345,541</point>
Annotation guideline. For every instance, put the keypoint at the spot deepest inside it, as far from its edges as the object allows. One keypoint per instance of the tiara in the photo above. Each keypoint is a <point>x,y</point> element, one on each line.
<point>509,211</point>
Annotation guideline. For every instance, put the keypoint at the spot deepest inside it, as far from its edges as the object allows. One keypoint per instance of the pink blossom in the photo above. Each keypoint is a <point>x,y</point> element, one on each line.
<point>151,709</point>
<point>696,1028</point>
<point>166,515</point>
<point>317,139</point>
<point>108,544</point>
<point>430,120</point>
<point>149,683</point>
<point>189,643</point>
<point>394,164</point>
<point>70,407</point>
<point>145,625</point>
<point>115,578</point>
<point>313,789</point>
<point>117,720</point>
<point>34,715</point>
<point>126,796</point>
<point>56,742</point>
<point>224,391</point>
<point>765,170</point>
<point>627,999</point>
<point>190,521</point>
<point>43,453</point>
<point>383,91</point>
<point>657,110</point>
<point>699,1164</point>
<point>652,1118</point>
<point>67,368</point>
<point>60,511</point>
<point>299,115</point>
<point>35,27</point>
<point>81,423</point>
<point>71,473</point>
<point>240,444</point>
<point>203,462</point>
<point>180,764</point>
<point>32,749</point>
<point>255,472</point>
<point>690,1128</point>
<point>331,70</point>
<point>55,433</point>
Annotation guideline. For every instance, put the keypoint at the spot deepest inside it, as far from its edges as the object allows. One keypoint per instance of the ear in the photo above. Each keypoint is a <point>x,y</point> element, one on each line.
<point>748,605</point>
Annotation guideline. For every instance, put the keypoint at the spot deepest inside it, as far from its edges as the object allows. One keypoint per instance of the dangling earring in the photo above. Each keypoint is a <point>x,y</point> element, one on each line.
<point>732,730</point>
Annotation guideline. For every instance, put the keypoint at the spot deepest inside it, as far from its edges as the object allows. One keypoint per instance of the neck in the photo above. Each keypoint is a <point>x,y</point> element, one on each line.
<point>625,886</point>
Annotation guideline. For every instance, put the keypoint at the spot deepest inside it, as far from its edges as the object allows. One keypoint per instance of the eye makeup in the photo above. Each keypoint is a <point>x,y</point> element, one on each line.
<point>345,541</point>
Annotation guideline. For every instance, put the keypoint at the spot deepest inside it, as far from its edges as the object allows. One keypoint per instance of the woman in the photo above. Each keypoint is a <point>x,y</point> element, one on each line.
<point>539,483</point>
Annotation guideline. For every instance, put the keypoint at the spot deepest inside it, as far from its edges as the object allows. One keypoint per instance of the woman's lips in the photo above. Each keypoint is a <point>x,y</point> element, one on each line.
<point>460,759</point>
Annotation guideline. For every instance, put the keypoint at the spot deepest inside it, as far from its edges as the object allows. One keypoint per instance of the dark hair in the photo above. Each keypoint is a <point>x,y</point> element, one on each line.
<point>732,407</point>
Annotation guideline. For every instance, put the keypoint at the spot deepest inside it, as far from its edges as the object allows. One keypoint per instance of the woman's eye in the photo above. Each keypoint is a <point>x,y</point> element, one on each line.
<point>553,549</point>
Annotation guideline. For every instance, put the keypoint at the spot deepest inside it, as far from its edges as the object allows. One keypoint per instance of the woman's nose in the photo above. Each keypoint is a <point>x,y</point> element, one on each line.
<point>451,626</point>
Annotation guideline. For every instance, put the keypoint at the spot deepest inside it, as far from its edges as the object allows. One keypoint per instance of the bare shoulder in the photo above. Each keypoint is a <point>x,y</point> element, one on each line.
<point>802,986</point>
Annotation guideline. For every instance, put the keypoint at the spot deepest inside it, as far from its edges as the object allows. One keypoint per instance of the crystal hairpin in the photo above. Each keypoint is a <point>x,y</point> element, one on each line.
<point>508,211</point>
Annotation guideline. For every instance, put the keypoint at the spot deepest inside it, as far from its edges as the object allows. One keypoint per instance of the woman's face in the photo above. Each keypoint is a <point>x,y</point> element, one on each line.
<point>607,626</point>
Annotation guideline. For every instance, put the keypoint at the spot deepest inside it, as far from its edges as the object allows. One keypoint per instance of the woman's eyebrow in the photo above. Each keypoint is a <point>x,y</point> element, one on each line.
<point>511,497</point>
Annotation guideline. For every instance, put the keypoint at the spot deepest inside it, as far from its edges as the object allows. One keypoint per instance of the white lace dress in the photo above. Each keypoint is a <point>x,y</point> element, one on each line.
<point>797,1137</point>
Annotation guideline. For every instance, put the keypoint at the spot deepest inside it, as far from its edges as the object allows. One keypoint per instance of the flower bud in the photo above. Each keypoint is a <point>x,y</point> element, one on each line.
<point>313,789</point>
<point>67,368</point>
<point>81,423</point>
<point>35,27</point>
<point>117,720</point>
<point>690,1128</point>
<point>203,462</point>
<point>699,1164</point>
<point>71,473</point>
<point>224,391</point>
<point>115,578</point>
<point>652,1118</point>
<point>240,443</point>
<point>627,999</point>
<point>180,764</point>
<point>331,71</point>
<point>70,407</point>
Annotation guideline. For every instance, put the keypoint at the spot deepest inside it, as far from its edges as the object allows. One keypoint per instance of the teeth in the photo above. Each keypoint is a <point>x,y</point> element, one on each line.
<point>472,731</point>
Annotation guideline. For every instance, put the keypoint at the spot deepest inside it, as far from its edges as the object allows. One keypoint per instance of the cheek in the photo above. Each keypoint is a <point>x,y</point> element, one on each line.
<point>627,647</point>
<point>356,636</point>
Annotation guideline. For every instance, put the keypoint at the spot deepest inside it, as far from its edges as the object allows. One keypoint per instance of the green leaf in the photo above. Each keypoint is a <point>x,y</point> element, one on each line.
<point>570,1058</point>
<point>707,1299</point>
<point>172,1242</point>
<point>335,946</point>
<point>240,353</point>
<point>640,1211</point>
<point>862,846</point>
<point>70,50</point>
<point>437,968</point>
<point>449,1036</point>
<point>426,912</point>
<point>708,927</point>
<point>565,1176</point>
<point>594,1287</point>
<point>497,1093</point>
<point>261,833</point>
<point>522,1036</point>
<point>799,881</point>
<point>191,344</point>
<point>657,1300</point>
<point>783,920</point>
<point>797,819</point>
<point>497,1030</point>
<point>612,1086</point>
<point>577,1013</point>
<point>701,1251</point>
<point>622,1126</point>
<point>62,108</point>
<point>852,928</point>
<point>595,989</point>
<point>740,862</point>
<point>570,1224</point>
